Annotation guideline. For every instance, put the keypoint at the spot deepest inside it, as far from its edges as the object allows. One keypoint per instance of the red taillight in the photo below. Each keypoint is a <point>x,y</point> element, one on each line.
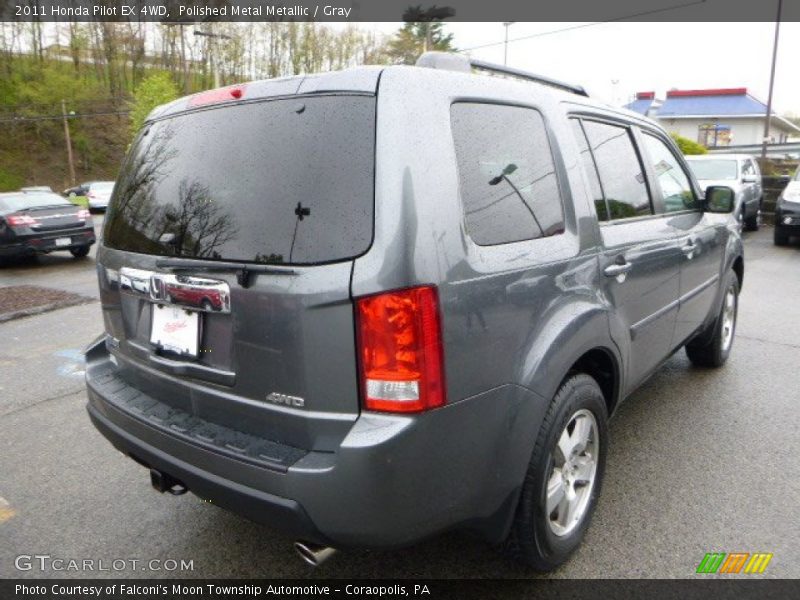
<point>84,215</point>
<point>21,221</point>
<point>400,350</point>
<point>233,92</point>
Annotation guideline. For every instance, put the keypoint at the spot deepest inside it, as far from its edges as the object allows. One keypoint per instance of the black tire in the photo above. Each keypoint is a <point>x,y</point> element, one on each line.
<point>751,223</point>
<point>780,237</point>
<point>710,349</point>
<point>531,539</point>
<point>80,252</point>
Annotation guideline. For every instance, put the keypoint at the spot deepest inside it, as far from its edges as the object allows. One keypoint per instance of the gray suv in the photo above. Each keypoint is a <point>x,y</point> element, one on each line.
<point>369,306</point>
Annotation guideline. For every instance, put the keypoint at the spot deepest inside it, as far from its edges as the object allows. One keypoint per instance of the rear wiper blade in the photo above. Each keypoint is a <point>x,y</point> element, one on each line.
<point>242,270</point>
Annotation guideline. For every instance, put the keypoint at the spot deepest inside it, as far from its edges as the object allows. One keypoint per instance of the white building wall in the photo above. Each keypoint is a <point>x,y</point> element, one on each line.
<point>748,130</point>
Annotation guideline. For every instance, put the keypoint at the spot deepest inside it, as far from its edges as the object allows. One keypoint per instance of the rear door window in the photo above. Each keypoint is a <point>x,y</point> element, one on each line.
<point>676,191</point>
<point>621,173</point>
<point>508,182</point>
<point>590,168</point>
<point>281,181</point>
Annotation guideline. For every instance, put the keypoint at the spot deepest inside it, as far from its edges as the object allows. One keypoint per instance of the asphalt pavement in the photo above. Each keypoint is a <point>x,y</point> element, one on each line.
<point>700,461</point>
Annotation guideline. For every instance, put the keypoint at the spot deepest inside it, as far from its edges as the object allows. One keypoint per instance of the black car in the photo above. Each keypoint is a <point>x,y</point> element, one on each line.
<point>787,212</point>
<point>42,222</point>
<point>77,190</point>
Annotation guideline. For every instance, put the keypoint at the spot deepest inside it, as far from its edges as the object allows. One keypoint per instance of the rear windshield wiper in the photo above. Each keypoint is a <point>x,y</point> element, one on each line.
<point>242,270</point>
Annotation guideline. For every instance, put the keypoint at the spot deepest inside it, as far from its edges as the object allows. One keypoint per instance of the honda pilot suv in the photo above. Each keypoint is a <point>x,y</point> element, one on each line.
<point>427,290</point>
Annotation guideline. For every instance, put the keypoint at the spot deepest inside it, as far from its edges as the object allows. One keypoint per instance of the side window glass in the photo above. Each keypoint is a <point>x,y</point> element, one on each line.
<point>672,179</point>
<point>621,174</point>
<point>507,176</point>
<point>591,171</point>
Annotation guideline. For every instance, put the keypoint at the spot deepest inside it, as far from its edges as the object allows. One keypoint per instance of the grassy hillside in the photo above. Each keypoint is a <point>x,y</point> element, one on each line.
<point>32,143</point>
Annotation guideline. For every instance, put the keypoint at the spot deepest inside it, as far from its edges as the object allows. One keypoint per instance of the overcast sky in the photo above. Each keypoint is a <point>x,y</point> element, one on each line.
<point>649,56</point>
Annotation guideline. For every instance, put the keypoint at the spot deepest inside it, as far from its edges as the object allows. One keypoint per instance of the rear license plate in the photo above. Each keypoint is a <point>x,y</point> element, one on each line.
<point>175,329</point>
<point>60,242</point>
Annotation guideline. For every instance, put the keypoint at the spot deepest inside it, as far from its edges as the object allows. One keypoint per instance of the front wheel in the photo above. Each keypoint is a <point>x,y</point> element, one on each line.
<point>780,237</point>
<point>564,476</point>
<point>713,351</point>
<point>752,223</point>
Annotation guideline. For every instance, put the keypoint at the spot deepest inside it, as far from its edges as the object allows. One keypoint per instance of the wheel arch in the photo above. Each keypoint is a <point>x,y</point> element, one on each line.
<point>580,341</point>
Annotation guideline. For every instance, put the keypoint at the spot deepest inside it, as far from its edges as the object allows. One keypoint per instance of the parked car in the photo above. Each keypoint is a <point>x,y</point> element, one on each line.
<point>40,222</point>
<point>77,190</point>
<point>787,212</point>
<point>741,173</point>
<point>196,292</point>
<point>98,193</point>
<point>376,376</point>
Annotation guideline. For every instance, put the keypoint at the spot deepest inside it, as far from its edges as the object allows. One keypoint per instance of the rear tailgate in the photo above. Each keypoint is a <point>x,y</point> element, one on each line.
<point>277,360</point>
<point>225,275</point>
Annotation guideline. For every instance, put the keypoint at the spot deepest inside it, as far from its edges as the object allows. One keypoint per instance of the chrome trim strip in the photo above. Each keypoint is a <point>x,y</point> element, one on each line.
<point>187,291</point>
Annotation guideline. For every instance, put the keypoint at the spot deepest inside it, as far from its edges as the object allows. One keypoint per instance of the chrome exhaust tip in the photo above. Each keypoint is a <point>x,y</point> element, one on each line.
<point>313,554</point>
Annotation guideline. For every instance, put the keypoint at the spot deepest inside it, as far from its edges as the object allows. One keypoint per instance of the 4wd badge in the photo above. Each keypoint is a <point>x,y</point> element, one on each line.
<point>293,401</point>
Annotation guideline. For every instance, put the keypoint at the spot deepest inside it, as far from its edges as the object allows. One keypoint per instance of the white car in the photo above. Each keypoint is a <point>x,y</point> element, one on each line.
<point>739,172</point>
<point>99,193</point>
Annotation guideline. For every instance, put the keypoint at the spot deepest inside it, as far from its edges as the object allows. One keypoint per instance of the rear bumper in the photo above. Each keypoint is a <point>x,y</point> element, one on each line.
<point>46,242</point>
<point>393,480</point>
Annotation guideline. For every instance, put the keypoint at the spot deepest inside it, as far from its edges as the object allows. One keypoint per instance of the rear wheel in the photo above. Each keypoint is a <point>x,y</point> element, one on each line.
<point>564,476</point>
<point>780,237</point>
<point>80,252</point>
<point>713,350</point>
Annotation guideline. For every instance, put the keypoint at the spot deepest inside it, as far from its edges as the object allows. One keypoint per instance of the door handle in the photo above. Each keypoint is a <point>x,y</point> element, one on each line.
<point>617,269</point>
<point>689,247</point>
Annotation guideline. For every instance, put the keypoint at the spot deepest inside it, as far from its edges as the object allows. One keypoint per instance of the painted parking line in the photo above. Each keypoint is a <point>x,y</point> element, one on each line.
<point>6,512</point>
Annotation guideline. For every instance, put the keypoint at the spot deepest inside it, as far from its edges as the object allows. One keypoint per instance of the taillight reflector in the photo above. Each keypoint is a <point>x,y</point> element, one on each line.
<point>84,215</point>
<point>21,220</point>
<point>400,350</point>
<point>233,92</point>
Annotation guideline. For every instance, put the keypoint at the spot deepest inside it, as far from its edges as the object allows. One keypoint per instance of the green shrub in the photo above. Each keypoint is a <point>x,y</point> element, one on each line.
<point>10,181</point>
<point>687,146</point>
<point>154,90</point>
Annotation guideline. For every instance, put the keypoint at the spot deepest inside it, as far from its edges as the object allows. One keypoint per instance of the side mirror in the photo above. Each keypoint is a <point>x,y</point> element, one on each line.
<point>720,199</point>
<point>749,179</point>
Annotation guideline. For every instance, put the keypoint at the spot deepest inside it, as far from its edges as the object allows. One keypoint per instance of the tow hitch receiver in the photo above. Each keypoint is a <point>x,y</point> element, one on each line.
<point>165,483</point>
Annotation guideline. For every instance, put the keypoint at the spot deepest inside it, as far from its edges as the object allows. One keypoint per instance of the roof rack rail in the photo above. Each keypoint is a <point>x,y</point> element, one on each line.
<point>454,62</point>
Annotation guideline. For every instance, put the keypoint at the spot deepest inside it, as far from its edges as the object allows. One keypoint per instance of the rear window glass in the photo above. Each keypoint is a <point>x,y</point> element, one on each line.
<point>31,200</point>
<point>283,181</point>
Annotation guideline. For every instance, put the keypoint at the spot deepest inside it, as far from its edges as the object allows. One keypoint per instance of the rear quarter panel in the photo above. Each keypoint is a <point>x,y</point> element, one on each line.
<point>514,314</point>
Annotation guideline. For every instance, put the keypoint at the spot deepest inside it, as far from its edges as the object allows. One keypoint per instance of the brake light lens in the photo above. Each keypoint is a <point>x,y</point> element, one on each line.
<point>400,350</point>
<point>225,94</point>
<point>21,221</point>
<point>84,215</point>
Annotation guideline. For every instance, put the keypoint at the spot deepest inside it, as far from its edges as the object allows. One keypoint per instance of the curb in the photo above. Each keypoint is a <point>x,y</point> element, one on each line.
<point>37,310</point>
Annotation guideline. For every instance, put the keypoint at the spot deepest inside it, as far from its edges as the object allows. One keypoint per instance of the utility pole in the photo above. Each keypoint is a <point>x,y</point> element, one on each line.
<point>507,24</point>
<point>768,121</point>
<point>69,143</point>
